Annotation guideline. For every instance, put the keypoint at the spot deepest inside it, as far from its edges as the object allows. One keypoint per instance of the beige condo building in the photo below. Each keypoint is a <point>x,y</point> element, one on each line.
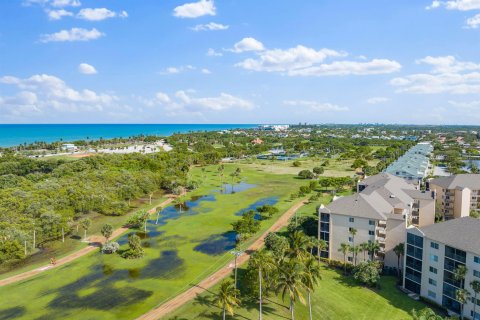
<point>457,195</point>
<point>380,211</point>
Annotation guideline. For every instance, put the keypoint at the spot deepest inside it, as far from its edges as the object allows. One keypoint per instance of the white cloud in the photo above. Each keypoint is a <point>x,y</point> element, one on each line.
<point>174,70</point>
<point>195,9</point>
<point>182,101</point>
<point>212,26</point>
<point>98,14</point>
<point>247,44</point>
<point>447,76</point>
<point>222,102</point>
<point>304,61</point>
<point>85,68</point>
<point>212,53</point>
<point>469,105</point>
<point>45,93</point>
<point>206,71</point>
<point>58,14</point>
<point>74,34</point>
<point>377,100</point>
<point>473,22</point>
<point>65,3</point>
<point>315,105</point>
<point>462,5</point>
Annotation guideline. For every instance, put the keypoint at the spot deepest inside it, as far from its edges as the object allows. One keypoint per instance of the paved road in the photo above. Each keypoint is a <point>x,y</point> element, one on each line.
<point>225,271</point>
<point>94,243</point>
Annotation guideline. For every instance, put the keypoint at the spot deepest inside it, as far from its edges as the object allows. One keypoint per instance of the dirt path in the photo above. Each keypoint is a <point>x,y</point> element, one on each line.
<point>94,242</point>
<point>225,271</point>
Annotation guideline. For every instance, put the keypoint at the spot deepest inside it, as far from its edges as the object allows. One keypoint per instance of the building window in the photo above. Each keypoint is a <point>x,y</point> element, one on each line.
<point>432,282</point>
<point>351,219</point>
<point>350,239</point>
<point>433,258</point>
<point>371,222</point>
<point>476,259</point>
<point>432,294</point>
<point>350,259</point>
<point>434,245</point>
<point>371,232</point>
<point>433,270</point>
<point>476,273</point>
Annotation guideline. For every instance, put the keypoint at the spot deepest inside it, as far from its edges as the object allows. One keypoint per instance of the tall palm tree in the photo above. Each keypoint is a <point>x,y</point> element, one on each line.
<point>475,285</point>
<point>290,282</point>
<point>459,274</point>
<point>311,275</point>
<point>344,249</point>
<point>226,297</point>
<point>321,246</point>
<point>353,232</point>
<point>364,248</point>
<point>263,261</point>
<point>373,248</point>
<point>399,250</point>
<point>462,295</point>
<point>355,250</point>
<point>298,245</point>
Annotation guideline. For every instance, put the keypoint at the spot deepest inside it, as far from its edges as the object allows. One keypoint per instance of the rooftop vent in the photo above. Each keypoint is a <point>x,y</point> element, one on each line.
<point>392,196</point>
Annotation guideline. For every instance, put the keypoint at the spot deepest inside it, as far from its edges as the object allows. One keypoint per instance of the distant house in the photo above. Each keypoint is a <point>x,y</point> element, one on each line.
<point>70,147</point>
<point>257,141</point>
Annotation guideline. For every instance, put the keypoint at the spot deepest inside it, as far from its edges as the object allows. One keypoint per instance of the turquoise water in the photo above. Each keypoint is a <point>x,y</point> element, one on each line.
<point>15,134</point>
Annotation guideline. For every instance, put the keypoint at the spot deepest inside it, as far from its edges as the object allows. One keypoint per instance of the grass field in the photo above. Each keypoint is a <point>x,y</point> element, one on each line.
<point>336,297</point>
<point>183,249</point>
<point>336,167</point>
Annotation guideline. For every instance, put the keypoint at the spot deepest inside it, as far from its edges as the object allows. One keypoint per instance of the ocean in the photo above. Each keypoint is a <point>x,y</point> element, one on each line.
<point>16,134</point>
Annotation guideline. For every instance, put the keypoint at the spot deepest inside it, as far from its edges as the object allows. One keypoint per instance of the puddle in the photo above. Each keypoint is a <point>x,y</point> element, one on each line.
<point>270,201</point>
<point>238,187</point>
<point>218,244</point>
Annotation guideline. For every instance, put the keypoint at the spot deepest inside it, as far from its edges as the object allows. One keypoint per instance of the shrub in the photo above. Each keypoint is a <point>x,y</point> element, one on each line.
<point>296,163</point>
<point>135,249</point>
<point>367,273</point>
<point>267,211</point>
<point>306,174</point>
<point>110,247</point>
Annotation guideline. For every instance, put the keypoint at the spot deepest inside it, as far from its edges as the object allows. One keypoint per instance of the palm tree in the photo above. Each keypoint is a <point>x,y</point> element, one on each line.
<point>353,232</point>
<point>475,285</point>
<point>290,282</point>
<point>226,297</point>
<point>373,248</point>
<point>399,250</point>
<point>298,245</point>
<point>355,251</point>
<point>86,224</point>
<point>459,275</point>
<point>462,295</point>
<point>263,261</point>
<point>344,248</point>
<point>364,248</point>
<point>321,246</point>
<point>311,276</point>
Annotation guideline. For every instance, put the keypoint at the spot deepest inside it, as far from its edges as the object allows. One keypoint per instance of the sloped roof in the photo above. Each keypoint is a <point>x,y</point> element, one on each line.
<point>471,181</point>
<point>462,233</point>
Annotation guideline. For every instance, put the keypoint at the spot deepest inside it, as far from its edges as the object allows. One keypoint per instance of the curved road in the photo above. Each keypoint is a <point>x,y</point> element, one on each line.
<point>225,271</point>
<point>93,245</point>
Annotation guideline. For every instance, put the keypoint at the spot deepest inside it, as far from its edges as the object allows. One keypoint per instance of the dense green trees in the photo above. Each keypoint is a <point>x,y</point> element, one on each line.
<point>367,273</point>
<point>45,198</point>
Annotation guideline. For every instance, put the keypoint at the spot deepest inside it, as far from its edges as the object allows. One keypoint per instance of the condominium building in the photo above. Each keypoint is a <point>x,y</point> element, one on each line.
<point>434,252</point>
<point>380,212</point>
<point>414,165</point>
<point>457,195</point>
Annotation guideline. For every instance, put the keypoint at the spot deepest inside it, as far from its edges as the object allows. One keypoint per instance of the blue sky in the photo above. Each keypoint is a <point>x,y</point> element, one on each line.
<point>240,61</point>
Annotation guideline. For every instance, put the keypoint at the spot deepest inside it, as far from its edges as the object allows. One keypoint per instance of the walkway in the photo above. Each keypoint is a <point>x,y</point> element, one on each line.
<point>225,271</point>
<point>94,243</point>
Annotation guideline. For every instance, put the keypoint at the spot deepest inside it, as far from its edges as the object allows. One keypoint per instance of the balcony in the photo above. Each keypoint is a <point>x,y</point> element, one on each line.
<point>382,223</point>
<point>381,232</point>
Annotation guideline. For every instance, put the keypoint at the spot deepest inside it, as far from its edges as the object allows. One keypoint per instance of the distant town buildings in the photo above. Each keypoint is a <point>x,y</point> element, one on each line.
<point>414,164</point>
<point>274,127</point>
<point>457,195</point>
<point>433,254</point>
<point>380,212</point>
<point>69,147</point>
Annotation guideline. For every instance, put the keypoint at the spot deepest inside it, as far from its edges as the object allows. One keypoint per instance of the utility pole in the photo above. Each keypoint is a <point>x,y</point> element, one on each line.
<point>237,253</point>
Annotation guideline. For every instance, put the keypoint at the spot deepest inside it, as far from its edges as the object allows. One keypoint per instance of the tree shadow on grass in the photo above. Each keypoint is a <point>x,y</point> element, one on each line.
<point>11,313</point>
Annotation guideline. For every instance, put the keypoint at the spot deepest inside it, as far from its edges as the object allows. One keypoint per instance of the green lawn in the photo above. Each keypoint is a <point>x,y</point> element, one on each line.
<point>108,287</point>
<point>336,297</point>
